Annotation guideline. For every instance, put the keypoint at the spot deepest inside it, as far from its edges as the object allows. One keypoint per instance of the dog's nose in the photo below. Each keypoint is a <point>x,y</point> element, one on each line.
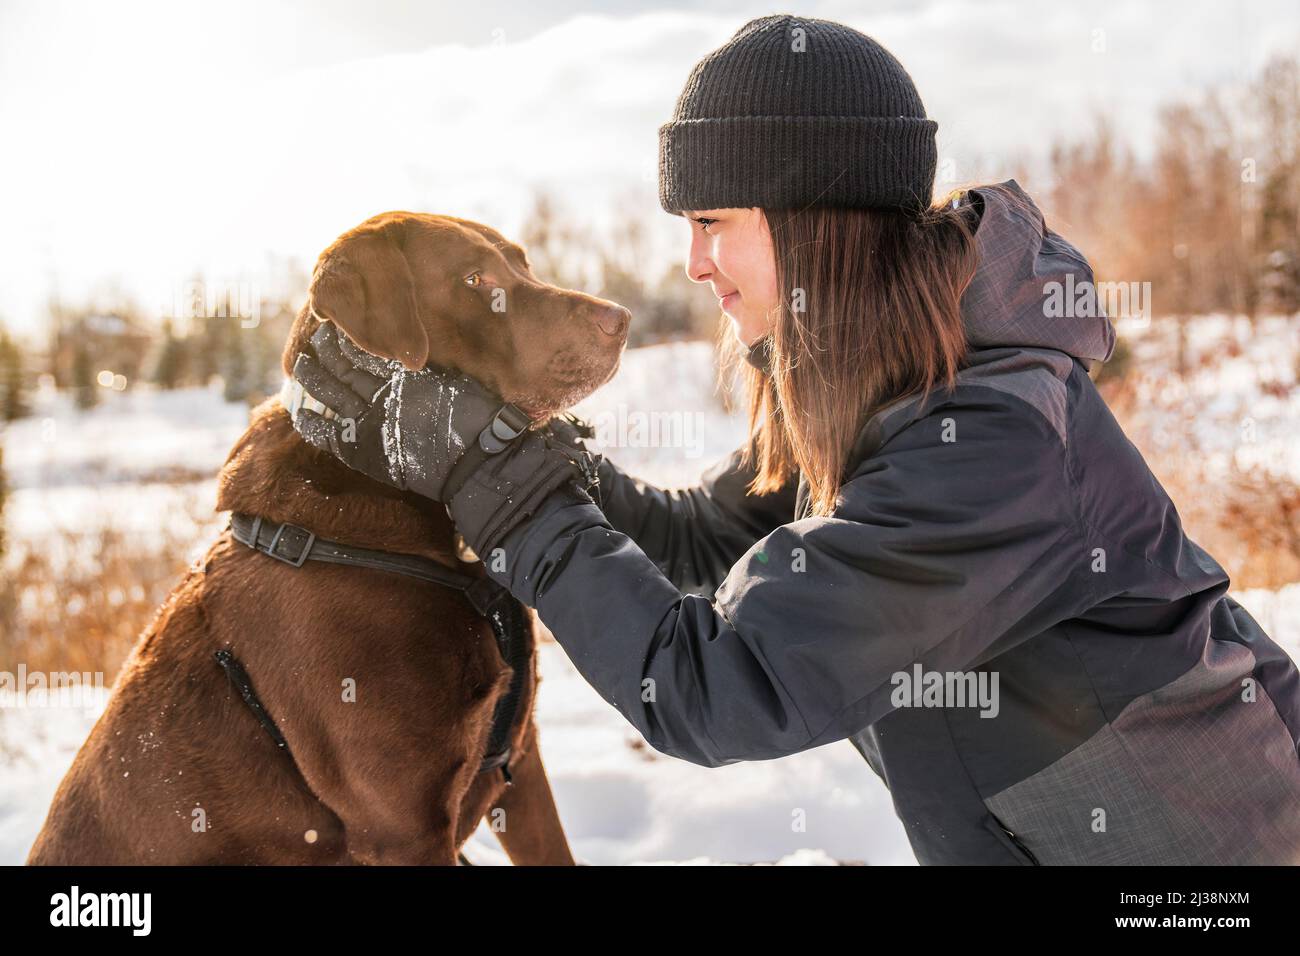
<point>613,320</point>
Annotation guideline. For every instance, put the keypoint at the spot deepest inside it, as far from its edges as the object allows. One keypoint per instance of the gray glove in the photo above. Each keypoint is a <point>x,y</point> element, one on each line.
<point>507,488</point>
<point>438,433</point>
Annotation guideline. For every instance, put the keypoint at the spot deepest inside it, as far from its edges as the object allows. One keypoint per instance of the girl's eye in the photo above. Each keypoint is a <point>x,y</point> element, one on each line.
<point>705,222</point>
<point>473,280</point>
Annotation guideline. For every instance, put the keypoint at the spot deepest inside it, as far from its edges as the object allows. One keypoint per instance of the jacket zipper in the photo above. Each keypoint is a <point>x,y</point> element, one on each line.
<point>1016,840</point>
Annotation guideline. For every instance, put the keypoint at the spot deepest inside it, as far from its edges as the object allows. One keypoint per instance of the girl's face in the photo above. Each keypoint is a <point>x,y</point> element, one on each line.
<point>731,249</point>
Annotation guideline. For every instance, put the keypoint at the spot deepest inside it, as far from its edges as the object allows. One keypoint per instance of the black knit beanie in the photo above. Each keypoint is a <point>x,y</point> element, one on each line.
<point>794,112</point>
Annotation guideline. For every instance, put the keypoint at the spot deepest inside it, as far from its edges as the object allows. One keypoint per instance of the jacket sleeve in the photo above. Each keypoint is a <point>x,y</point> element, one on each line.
<point>940,552</point>
<point>694,535</point>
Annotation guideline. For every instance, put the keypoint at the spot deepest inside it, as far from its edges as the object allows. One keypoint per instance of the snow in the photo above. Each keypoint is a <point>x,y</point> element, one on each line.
<point>620,801</point>
<point>1240,395</point>
<point>127,437</point>
<point>673,383</point>
<point>36,749</point>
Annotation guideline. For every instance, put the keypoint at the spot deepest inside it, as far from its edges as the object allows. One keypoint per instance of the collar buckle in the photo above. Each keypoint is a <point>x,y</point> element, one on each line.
<point>304,537</point>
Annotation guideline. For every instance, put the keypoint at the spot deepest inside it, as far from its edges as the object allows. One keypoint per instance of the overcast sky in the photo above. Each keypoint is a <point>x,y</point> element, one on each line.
<point>145,141</point>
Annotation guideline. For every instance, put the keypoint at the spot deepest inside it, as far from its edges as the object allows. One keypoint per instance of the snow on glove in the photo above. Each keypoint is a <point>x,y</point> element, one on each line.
<point>438,433</point>
<point>406,429</point>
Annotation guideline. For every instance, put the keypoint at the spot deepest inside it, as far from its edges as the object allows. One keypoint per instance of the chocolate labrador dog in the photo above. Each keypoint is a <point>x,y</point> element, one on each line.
<point>382,686</point>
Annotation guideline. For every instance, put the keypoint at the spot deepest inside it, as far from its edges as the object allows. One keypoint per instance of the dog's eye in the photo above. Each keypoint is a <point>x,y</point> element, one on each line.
<point>473,280</point>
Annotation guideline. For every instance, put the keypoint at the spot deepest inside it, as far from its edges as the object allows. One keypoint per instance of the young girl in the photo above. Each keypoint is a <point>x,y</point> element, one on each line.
<point>937,544</point>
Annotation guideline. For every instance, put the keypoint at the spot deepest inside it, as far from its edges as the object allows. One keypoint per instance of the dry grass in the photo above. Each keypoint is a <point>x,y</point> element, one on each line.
<point>1247,518</point>
<point>79,600</point>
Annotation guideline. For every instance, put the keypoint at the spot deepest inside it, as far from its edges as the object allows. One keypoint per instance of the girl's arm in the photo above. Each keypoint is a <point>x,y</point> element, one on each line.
<point>942,554</point>
<point>694,535</point>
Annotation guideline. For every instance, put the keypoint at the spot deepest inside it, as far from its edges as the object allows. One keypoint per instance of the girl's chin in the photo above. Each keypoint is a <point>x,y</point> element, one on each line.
<point>744,335</point>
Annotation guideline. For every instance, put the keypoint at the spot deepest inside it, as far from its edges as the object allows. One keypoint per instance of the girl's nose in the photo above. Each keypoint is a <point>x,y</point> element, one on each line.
<point>699,267</point>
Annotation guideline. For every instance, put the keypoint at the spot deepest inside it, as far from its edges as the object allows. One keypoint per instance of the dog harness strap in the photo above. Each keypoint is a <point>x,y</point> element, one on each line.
<point>507,618</point>
<point>295,546</point>
<point>239,677</point>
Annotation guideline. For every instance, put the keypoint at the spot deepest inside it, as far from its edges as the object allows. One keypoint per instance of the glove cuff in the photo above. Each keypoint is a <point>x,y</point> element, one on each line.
<point>508,488</point>
<point>506,426</point>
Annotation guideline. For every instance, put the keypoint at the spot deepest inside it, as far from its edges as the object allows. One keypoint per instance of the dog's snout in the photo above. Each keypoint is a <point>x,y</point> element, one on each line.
<point>612,320</point>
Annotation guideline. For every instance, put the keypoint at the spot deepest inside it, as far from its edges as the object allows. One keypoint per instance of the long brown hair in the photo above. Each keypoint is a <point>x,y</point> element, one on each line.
<point>869,312</point>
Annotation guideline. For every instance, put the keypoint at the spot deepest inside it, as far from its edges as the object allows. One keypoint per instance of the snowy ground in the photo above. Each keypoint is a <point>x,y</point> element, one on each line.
<point>620,801</point>
<point>1239,400</point>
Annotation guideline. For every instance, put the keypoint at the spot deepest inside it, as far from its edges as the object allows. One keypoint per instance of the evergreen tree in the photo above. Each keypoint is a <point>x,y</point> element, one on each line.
<point>234,368</point>
<point>83,377</point>
<point>13,393</point>
<point>4,487</point>
<point>169,371</point>
<point>210,342</point>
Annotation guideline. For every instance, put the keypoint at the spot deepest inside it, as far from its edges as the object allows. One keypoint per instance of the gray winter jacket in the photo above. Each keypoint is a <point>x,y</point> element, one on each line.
<point>1003,614</point>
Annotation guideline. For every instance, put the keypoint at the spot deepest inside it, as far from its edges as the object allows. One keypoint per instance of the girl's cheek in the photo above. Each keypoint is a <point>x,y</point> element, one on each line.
<point>772,294</point>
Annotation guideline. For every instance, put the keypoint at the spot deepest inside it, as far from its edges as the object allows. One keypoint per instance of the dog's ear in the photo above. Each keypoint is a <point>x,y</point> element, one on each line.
<point>364,285</point>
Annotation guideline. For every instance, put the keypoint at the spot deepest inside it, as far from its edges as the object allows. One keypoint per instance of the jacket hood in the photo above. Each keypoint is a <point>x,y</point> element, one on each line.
<point>1012,300</point>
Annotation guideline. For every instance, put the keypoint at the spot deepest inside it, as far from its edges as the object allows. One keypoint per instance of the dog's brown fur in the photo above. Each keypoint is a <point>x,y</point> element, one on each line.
<point>178,770</point>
